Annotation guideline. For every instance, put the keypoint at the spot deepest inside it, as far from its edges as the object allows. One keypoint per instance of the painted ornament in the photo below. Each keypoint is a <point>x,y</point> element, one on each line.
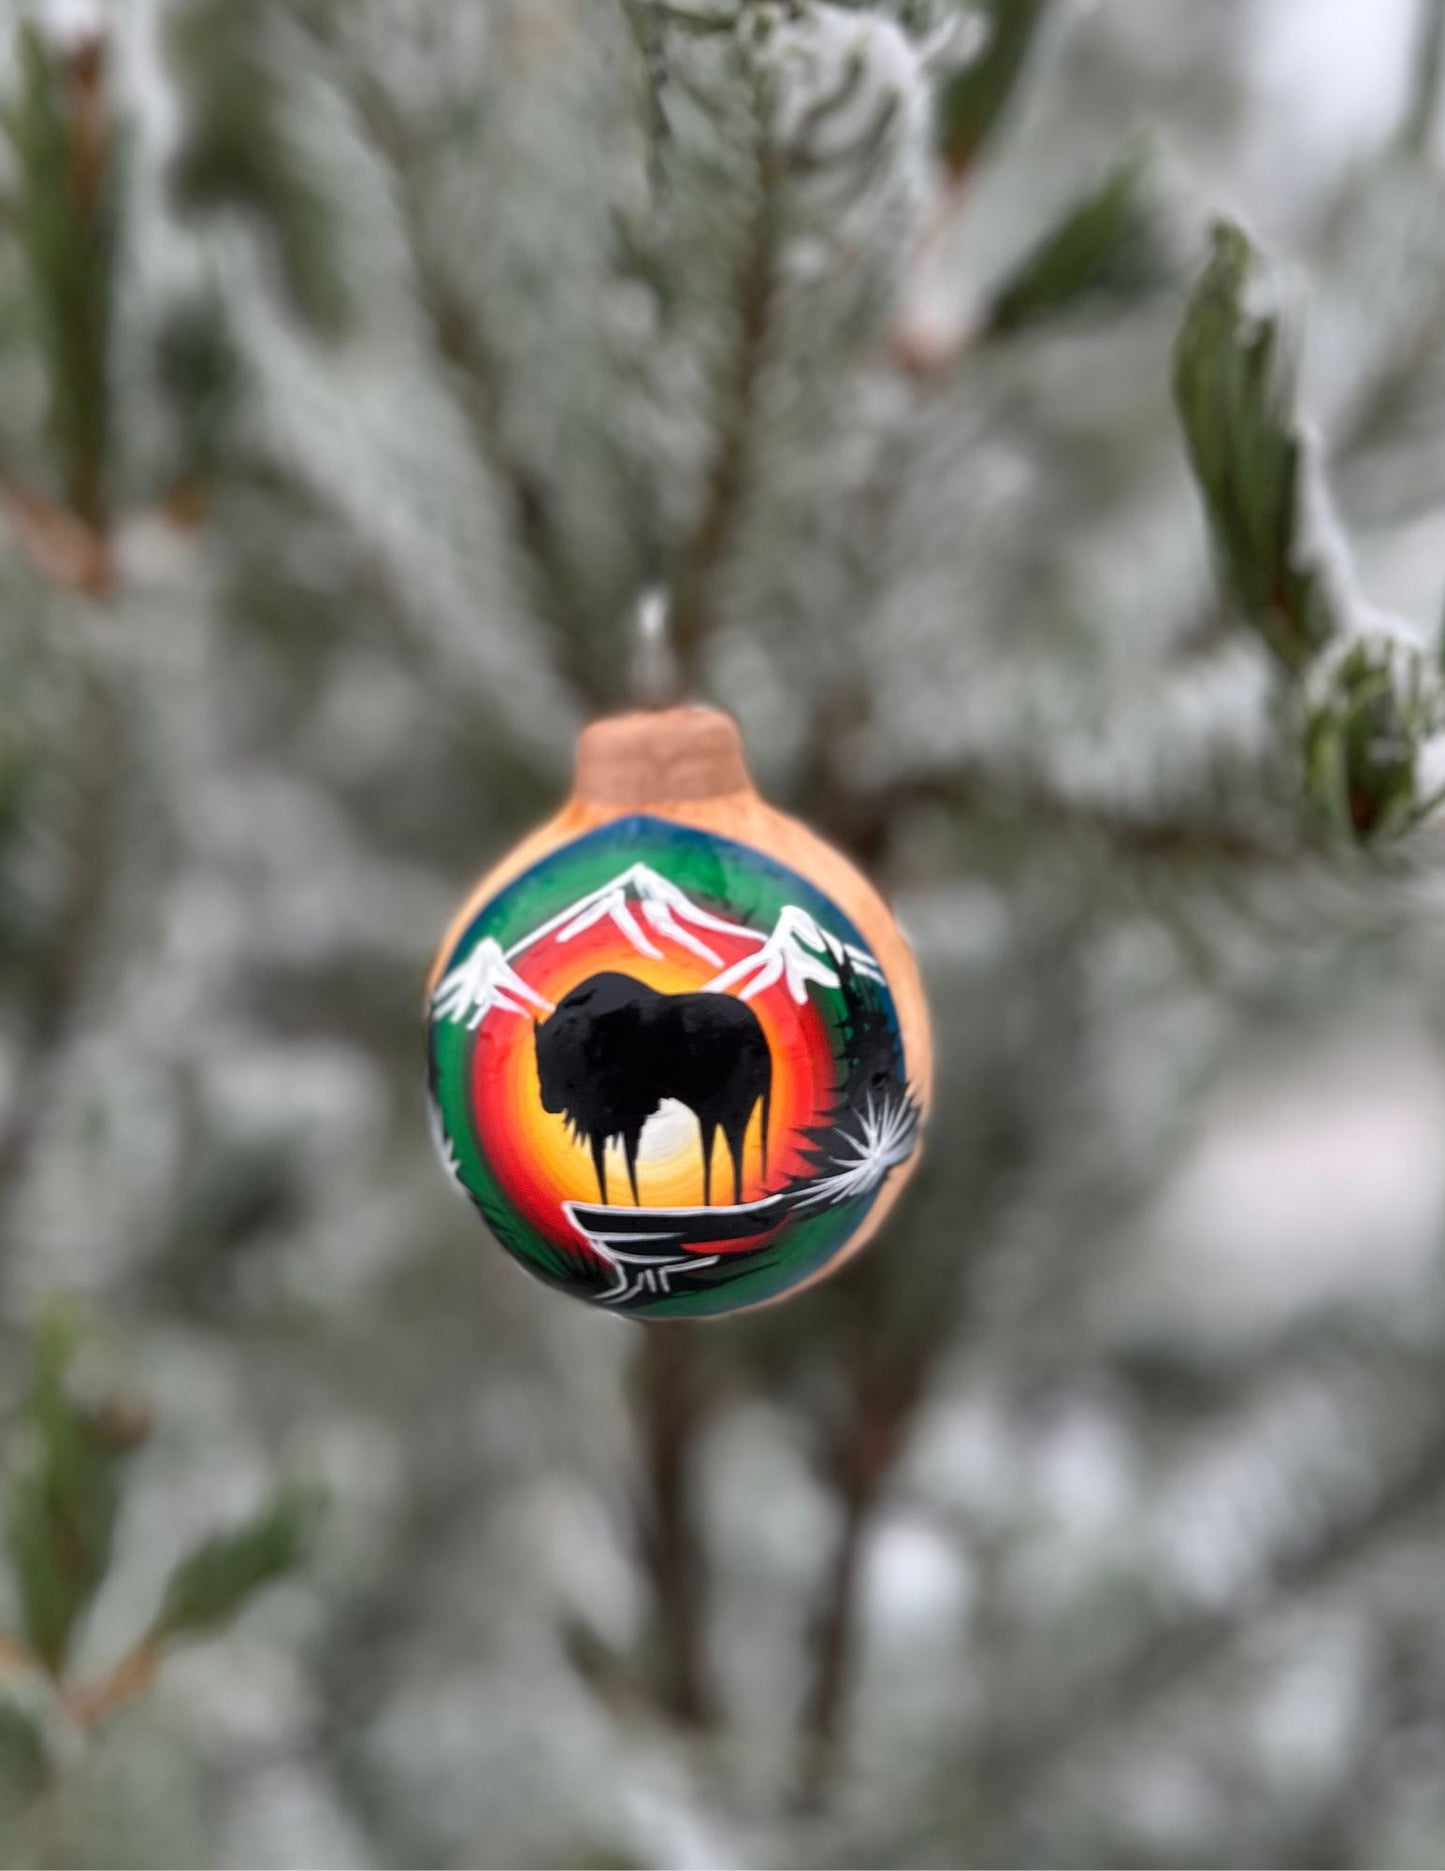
<point>679,1053</point>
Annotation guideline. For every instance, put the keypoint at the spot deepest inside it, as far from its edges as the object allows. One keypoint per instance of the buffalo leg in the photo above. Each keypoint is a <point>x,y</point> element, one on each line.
<point>709,1131</point>
<point>736,1135</point>
<point>630,1141</point>
<point>599,1163</point>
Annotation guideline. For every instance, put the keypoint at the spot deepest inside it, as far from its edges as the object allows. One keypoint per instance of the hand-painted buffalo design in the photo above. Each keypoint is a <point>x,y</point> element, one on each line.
<point>615,1048</point>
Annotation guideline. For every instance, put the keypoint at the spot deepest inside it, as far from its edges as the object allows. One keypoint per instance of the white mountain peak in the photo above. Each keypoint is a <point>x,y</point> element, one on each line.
<point>664,908</point>
<point>647,908</point>
<point>798,952</point>
<point>483,981</point>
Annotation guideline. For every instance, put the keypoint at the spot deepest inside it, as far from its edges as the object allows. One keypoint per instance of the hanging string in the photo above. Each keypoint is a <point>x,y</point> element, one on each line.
<point>656,673</point>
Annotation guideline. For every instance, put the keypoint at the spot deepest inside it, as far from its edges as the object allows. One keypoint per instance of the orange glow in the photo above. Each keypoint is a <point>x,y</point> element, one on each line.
<point>541,1165</point>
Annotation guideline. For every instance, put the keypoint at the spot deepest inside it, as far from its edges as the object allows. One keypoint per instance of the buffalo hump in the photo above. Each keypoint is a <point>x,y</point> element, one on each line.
<point>615,1048</point>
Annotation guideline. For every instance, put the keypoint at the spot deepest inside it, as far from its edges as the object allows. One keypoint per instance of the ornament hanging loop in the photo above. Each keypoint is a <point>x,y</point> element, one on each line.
<point>670,939</point>
<point>656,671</point>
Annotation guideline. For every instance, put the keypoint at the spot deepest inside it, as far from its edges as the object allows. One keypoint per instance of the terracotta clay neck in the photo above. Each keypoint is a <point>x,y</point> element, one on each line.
<point>661,757</point>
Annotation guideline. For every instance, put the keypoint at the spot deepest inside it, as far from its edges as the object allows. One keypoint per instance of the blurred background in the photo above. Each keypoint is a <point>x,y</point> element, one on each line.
<point>1077,569</point>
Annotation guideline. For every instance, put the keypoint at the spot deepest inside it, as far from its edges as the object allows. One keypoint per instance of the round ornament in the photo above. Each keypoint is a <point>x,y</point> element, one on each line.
<point>679,1052</point>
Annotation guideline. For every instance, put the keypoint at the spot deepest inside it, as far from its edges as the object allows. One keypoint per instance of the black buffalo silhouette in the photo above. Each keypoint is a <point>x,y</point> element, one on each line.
<point>615,1048</point>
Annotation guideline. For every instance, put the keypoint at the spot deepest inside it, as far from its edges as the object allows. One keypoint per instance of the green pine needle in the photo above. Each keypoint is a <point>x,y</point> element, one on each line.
<point>24,1755</point>
<point>970,102</point>
<point>64,1495</point>
<point>213,1583</point>
<point>66,218</point>
<point>1364,738</point>
<point>1235,393</point>
<point>1107,250</point>
<point>237,153</point>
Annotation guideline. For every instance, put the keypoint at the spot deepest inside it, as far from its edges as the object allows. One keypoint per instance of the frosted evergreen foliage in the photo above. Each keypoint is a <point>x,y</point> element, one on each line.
<point>1033,412</point>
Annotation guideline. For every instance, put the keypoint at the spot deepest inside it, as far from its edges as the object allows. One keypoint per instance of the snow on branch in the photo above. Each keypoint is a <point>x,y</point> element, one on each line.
<point>1372,699</point>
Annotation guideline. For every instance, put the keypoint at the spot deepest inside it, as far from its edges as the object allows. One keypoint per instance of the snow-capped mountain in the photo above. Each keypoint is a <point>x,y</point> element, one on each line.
<point>797,952</point>
<point>483,981</point>
<point>648,910</point>
<point>636,897</point>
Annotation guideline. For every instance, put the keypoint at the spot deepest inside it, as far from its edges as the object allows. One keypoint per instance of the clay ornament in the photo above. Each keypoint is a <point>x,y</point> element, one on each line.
<point>679,1053</point>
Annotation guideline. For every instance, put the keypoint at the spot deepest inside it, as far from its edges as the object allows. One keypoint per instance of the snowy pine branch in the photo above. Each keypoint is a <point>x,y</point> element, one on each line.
<point>65,1487</point>
<point>238,152</point>
<point>1373,699</point>
<point>1372,713</point>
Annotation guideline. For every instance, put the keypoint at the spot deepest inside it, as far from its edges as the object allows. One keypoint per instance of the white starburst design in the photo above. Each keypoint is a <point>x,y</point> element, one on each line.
<point>886,1132</point>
